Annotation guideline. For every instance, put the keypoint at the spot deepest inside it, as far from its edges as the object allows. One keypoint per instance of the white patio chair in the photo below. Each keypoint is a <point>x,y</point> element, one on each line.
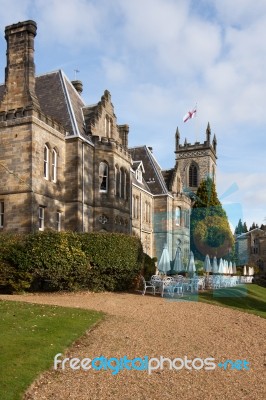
<point>146,285</point>
<point>201,283</point>
<point>167,285</point>
<point>157,282</point>
<point>188,284</point>
<point>216,282</point>
<point>178,287</point>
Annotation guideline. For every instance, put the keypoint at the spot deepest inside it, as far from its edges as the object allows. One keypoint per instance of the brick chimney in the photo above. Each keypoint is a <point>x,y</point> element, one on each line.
<point>20,69</point>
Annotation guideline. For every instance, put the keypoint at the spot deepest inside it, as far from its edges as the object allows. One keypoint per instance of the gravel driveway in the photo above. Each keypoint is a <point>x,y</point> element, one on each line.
<point>138,326</point>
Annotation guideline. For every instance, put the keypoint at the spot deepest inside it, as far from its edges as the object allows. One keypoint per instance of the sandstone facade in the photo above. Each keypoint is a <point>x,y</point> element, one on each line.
<point>67,166</point>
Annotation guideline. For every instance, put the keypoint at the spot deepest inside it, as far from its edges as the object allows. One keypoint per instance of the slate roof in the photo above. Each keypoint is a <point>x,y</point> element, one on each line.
<point>60,100</point>
<point>142,184</point>
<point>136,164</point>
<point>153,173</point>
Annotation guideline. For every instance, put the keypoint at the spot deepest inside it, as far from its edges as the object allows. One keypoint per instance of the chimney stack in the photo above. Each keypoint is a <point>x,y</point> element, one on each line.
<point>20,69</point>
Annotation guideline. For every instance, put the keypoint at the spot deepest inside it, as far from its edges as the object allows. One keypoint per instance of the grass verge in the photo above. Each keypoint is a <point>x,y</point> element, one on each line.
<point>248,298</point>
<point>30,337</point>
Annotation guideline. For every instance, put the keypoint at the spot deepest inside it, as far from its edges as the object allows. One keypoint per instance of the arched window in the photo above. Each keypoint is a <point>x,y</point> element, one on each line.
<point>193,175</point>
<point>125,185</point>
<point>186,218</point>
<point>46,162</point>
<point>103,177</point>
<point>178,216</point>
<point>120,182</point>
<point>54,165</point>
<point>117,177</point>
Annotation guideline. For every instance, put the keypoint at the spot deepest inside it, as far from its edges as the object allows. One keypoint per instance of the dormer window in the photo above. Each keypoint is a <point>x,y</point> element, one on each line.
<point>139,175</point>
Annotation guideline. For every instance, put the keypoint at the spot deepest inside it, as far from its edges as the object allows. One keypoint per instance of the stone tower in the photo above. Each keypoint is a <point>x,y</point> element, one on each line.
<point>196,161</point>
<point>26,195</point>
<point>20,69</point>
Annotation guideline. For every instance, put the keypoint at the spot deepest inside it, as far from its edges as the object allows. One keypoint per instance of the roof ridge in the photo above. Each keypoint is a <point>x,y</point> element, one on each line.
<point>48,73</point>
<point>158,173</point>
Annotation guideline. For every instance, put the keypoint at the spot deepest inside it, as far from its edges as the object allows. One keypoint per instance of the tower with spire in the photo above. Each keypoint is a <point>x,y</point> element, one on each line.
<point>196,161</point>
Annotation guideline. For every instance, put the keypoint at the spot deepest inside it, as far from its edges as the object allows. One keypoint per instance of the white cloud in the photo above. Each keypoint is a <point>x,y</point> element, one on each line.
<point>72,24</point>
<point>250,198</point>
<point>153,22</point>
<point>13,11</point>
<point>238,12</point>
<point>115,71</point>
<point>158,57</point>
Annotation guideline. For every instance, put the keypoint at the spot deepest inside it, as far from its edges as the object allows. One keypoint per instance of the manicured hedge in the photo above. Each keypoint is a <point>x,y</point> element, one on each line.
<point>68,261</point>
<point>116,260</point>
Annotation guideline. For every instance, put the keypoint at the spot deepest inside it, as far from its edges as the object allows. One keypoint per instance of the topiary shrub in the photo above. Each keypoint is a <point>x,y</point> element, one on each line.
<point>149,267</point>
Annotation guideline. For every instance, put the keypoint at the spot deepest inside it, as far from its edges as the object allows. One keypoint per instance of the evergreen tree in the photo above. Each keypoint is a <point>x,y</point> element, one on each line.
<point>245,228</point>
<point>210,231</point>
<point>253,226</point>
<point>239,228</point>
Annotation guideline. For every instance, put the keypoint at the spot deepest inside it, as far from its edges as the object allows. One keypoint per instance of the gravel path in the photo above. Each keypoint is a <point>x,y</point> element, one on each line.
<point>137,326</point>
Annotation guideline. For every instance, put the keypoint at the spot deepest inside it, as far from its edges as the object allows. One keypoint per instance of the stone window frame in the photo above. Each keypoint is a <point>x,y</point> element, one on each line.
<point>193,175</point>
<point>123,181</point>
<point>2,214</point>
<point>117,176</point>
<point>41,214</point>
<point>54,164</point>
<point>124,194</point>
<point>139,175</point>
<point>46,161</point>
<point>59,221</point>
<point>108,123</point>
<point>135,206</point>
<point>103,177</point>
<point>186,218</point>
<point>178,216</point>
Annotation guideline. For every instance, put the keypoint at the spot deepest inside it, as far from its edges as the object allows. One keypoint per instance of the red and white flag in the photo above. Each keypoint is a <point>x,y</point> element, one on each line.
<point>190,114</point>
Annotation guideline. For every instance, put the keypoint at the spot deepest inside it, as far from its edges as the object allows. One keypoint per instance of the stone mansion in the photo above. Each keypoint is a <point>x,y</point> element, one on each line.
<point>65,165</point>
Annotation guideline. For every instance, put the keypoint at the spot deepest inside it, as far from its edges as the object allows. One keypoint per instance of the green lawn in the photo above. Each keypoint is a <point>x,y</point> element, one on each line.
<point>248,298</point>
<point>30,336</point>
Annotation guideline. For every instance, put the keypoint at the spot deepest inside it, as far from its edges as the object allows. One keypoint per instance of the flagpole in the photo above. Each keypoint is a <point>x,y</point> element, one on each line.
<point>196,123</point>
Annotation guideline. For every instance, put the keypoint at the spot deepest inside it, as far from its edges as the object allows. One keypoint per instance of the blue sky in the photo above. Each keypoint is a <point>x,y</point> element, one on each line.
<point>158,58</point>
